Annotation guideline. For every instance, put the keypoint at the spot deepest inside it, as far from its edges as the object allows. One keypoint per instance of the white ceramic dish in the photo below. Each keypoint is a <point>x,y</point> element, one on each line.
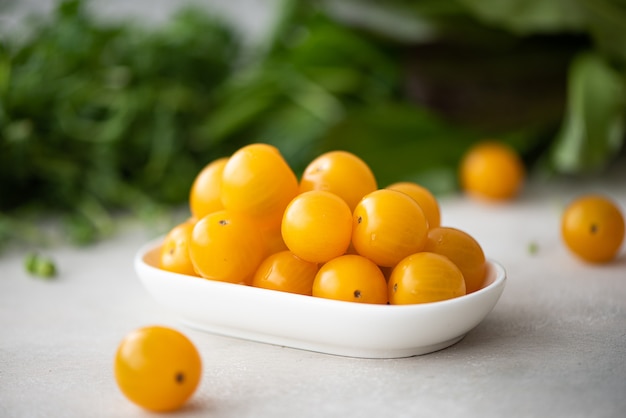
<point>316,324</point>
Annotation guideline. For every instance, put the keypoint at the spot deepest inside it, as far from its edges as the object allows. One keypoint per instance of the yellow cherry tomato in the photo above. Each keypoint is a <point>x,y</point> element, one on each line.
<point>157,368</point>
<point>226,247</point>
<point>174,255</point>
<point>258,183</point>
<point>351,278</point>
<point>424,198</point>
<point>425,277</point>
<point>205,194</point>
<point>388,225</point>
<point>492,170</point>
<point>592,227</point>
<point>286,272</point>
<point>341,173</point>
<point>317,226</point>
<point>463,250</point>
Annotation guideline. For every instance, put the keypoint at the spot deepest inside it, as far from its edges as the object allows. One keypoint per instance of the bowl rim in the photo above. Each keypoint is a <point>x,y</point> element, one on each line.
<point>317,324</point>
<point>499,280</point>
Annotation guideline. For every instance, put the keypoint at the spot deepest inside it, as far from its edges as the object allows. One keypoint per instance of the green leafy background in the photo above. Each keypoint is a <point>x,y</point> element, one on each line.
<point>101,119</point>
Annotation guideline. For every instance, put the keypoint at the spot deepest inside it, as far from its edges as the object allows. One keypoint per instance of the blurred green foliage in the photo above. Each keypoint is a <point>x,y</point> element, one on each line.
<point>99,118</point>
<point>96,118</point>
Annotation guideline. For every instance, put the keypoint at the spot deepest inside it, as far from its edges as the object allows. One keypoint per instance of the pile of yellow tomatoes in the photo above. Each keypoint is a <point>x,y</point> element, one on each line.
<point>333,233</point>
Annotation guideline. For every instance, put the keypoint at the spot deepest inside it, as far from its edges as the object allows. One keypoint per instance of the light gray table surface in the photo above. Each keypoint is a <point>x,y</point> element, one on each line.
<point>554,345</point>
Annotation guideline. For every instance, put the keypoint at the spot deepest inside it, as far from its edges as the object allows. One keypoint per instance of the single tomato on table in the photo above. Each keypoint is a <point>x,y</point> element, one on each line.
<point>157,368</point>
<point>592,227</point>
<point>492,170</point>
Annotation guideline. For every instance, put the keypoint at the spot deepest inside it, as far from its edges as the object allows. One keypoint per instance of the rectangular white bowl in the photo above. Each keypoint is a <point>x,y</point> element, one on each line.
<point>316,324</point>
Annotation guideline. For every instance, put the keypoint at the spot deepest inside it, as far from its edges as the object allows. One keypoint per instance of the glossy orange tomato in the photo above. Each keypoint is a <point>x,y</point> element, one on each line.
<point>286,272</point>
<point>317,226</point>
<point>341,173</point>
<point>205,194</point>
<point>492,170</point>
<point>258,183</point>
<point>157,368</point>
<point>592,227</point>
<point>387,226</point>
<point>424,198</point>
<point>463,250</point>
<point>174,255</point>
<point>226,246</point>
<point>425,277</point>
<point>351,278</point>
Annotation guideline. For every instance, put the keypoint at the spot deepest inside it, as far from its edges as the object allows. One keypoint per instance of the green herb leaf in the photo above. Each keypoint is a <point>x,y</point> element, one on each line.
<point>529,16</point>
<point>593,126</point>
<point>40,266</point>
<point>606,22</point>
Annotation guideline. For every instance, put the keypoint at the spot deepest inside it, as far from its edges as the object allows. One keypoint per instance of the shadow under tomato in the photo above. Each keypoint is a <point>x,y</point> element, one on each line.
<point>197,405</point>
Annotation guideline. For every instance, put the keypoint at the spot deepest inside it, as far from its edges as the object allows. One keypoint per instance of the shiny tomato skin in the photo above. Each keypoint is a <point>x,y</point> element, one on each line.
<point>157,368</point>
